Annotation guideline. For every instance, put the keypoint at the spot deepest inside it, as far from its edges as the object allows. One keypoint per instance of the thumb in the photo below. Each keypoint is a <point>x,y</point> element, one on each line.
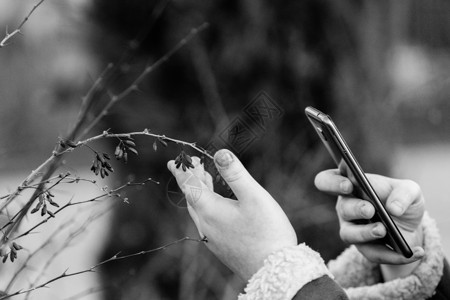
<point>243,185</point>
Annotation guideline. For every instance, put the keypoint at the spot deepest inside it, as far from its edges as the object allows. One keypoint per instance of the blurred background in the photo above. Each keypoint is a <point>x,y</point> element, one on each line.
<point>381,69</point>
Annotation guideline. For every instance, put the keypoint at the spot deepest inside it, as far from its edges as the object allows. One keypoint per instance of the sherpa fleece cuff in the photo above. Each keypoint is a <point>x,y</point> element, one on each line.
<point>360,278</point>
<point>284,273</point>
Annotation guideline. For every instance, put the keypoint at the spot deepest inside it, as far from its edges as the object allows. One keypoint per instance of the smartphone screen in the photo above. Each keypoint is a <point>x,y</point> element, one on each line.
<point>349,167</point>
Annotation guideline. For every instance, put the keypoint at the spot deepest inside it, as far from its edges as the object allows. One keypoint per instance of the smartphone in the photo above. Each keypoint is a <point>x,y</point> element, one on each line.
<point>349,167</point>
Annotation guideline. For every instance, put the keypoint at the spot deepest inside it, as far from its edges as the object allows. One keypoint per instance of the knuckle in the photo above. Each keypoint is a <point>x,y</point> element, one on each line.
<point>233,174</point>
<point>343,211</point>
<point>413,187</point>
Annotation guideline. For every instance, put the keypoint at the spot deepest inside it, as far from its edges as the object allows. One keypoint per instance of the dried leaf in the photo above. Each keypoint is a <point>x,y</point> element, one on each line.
<point>53,203</point>
<point>163,142</point>
<point>118,151</point>
<point>133,150</point>
<point>130,143</point>
<point>44,210</point>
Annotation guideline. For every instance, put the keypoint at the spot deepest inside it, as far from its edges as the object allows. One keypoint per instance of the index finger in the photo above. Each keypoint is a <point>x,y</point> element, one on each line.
<point>197,193</point>
<point>332,182</point>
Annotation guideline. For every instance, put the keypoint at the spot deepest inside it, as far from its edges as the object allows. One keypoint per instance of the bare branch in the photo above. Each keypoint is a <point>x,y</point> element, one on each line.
<point>49,166</point>
<point>75,233</point>
<point>49,180</point>
<point>47,242</point>
<point>150,68</point>
<point>146,132</point>
<point>39,171</point>
<point>111,193</point>
<point>8,36</point>
<point>116,257</point>
<point>41,180</point>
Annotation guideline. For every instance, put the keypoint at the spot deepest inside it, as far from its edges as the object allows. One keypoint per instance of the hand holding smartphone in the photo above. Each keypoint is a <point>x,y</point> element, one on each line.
<point>349,167</point>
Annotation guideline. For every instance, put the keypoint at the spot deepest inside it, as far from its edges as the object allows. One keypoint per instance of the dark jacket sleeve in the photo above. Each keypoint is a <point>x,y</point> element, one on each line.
<point>323,288</point>
<point>443,288</point>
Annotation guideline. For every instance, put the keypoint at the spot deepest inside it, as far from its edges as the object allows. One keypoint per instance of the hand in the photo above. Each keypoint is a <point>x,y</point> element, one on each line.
<point>243,232</point>
<point>403,200</point>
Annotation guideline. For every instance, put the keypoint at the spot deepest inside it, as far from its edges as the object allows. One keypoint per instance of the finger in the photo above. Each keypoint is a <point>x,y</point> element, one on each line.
<point>196,192</point>
<point>330,181</point>
<point>361,233</point>
<point>406,195</point>
<point>381,254</point>
<point>243,185</point>
<point>350,209</point>
<point>209,181</point>
<point>199,171</point>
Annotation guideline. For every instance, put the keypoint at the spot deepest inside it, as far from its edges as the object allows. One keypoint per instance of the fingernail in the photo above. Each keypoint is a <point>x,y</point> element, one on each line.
<point>346,186</point>
<point>223,159</point>
<point>378,231</point>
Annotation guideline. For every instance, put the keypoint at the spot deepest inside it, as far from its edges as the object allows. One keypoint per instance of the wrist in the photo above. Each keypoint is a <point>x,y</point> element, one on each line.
<point>414,239</point>
<point>391,272</point>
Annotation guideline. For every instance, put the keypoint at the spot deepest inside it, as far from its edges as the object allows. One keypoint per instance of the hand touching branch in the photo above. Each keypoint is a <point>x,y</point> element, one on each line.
<point>243,232</point>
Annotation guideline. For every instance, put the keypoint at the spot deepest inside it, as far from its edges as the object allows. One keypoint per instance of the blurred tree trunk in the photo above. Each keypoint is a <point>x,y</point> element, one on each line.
<point>328,54</point>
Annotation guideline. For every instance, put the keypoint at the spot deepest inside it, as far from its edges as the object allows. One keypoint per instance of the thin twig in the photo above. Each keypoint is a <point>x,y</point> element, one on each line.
<point>49,166</point>
<point>47,242</point>
<point>111,193</point>
<point>33,176</point>
<point>148,69</point>
<point>116,257</point>
<point>57,177</point>
<point>89,99</point>
<point>61,178</point>
<point>74,234</point>
<point>145,132</point>
<point>9,36</point>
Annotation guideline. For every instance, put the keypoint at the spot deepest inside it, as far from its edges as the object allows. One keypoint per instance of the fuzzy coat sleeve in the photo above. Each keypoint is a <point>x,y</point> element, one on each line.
<point>361,279</point>
<point>298,272</point>
<point>287,271</point>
